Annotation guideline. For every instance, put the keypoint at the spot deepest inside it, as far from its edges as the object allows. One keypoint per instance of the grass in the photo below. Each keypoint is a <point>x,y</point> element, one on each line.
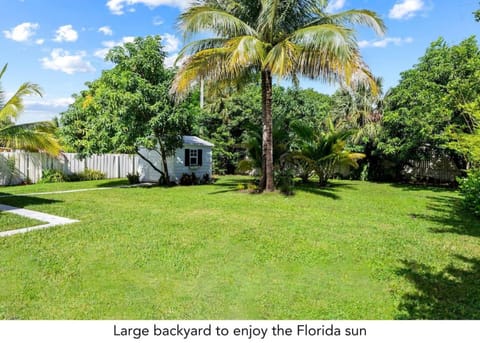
<point>9,221</point>
<point>355,250</point>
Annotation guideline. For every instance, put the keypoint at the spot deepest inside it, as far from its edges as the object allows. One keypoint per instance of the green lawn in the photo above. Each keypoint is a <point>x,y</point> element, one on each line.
<point>355,250</point>
<point>9,221</point>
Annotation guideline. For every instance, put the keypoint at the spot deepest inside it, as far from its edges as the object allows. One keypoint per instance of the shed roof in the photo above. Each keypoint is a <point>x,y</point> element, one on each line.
<point>194,140</point>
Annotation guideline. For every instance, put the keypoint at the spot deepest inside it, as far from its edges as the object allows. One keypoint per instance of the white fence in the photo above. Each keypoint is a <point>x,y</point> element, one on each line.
<point>17,167</point>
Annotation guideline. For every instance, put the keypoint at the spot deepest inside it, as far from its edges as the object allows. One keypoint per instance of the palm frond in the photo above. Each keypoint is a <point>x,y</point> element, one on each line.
<point>231,62</point>
<point>3,70</point>
<point>14,106</point>
<point>31,137</point>
<point>282,59</point>
<point>199,45</point>
<point>359,17</point>
<point>206,18</point>
<point>267,18</point>
<point>246,51</point>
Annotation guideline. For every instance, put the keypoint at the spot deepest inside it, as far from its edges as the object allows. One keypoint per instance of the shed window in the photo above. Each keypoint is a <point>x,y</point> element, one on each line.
<point>193,157</point>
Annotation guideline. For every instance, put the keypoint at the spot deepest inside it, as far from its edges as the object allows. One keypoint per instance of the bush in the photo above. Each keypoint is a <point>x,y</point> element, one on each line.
<point>52,176</point>
<point>186,180</point>
<point>192,179</point>
<point>133,178</point>
<point>470,190</point>
<point>90,174</point>
<point>206,179</point>
<point>284,182</point>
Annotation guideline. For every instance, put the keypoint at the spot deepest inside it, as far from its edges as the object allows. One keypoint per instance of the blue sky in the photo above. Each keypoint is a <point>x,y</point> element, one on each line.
<point>60,44</point>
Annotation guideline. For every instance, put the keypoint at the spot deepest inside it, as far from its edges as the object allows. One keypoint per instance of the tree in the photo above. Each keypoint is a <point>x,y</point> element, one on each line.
<point>476,15</point>
<point>234,119</point>
<point>288,39</point>
<point>360,109</point>
<point>433,109</point>
<point>39,136</point>
<point>322,151</point>
<point>129,107</point>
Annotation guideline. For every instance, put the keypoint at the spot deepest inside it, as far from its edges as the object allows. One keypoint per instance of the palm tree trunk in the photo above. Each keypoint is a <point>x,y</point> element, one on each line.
<point>267,183</point>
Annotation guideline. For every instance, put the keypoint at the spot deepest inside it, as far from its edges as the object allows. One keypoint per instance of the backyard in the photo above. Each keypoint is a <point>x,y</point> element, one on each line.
<point>353,250</point>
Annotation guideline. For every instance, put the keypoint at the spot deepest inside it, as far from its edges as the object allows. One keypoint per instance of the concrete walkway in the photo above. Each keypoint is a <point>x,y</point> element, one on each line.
<point>51,220</point>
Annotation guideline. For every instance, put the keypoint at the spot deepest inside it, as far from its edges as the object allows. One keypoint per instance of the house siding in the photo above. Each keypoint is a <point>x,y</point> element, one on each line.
<point>176,164</point>
<point>180,167</point>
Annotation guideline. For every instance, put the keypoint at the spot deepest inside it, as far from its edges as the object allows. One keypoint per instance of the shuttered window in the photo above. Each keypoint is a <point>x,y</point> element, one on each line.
<point>193,157</point>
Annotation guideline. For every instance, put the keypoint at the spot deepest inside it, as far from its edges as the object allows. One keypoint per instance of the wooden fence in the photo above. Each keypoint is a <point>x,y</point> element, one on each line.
<point>440,169</point>
<point>17,167</point>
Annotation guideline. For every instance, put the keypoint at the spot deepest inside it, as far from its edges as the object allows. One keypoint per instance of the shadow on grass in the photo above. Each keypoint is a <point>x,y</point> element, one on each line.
<point>22,201</point>
<point>328,191</point>
<point>311,187</point>
<point>449,216</point>
<point>451,293</point>
<point>418,187</point>
<point>229,185</point>
<point>114,183</point>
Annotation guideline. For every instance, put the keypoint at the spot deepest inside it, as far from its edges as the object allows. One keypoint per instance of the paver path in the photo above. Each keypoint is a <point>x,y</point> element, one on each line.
<point>50,219</point>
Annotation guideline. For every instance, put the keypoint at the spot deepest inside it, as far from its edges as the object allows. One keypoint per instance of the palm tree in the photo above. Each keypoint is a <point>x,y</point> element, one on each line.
<point>283,38</point>
<point>360,108</point>
<point>32,136</point>
<point>322,151</point>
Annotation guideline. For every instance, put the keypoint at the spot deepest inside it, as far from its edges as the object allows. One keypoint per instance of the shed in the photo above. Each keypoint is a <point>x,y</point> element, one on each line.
<point>194,157</point>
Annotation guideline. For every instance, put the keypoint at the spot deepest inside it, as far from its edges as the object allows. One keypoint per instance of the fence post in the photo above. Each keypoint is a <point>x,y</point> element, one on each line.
<point>118,167</point>
<point>28,166</point>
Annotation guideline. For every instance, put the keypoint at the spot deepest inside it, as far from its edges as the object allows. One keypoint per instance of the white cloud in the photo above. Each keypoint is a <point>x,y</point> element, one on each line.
<point>170,60</point>
<point>62,60</point>
<point>22,32</point>
<point>383,43</point>
<point>106,30</point>
<point>66,33</point>
<point>170,43</point>
<point>117,6</point>
<point>335,5</point>
<point>406,9</point>
<point>101,53</point>
<point>44,102</point>
<point>157,21</point>
<point>40,41</point>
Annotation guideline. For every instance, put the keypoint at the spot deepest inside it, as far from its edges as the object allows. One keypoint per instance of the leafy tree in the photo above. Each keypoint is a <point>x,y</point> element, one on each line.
<point>476,15</point>
<point>129,107</point>
<point>233,120</point>
<point>288,38</point>
<point>433,110</point>
<point>39,136</point>
<point>360,109</point>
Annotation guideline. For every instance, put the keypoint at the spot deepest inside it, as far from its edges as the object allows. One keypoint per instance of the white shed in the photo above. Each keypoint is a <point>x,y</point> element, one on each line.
<point>194,157</point>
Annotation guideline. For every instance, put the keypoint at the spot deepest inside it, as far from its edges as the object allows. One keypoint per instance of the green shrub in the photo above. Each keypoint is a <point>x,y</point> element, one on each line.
<point>133,178</point>
<point>206,179</point>
<point>189,179</point>
<point>52,176</point>
<point>284,181</point>
<point>90,174</point>
<point>470,190</point>
<point>186,180</point>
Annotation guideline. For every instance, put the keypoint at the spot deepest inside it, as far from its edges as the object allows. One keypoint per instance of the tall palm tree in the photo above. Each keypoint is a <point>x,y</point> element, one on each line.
<point>360,108</point>
<point>32,136</point>
<point>283,38</point>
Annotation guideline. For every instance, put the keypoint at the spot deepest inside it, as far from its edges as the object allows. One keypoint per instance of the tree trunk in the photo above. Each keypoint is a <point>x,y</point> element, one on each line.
<point>150,163</point>
<point>166,176</point>
<point>267,183</point>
